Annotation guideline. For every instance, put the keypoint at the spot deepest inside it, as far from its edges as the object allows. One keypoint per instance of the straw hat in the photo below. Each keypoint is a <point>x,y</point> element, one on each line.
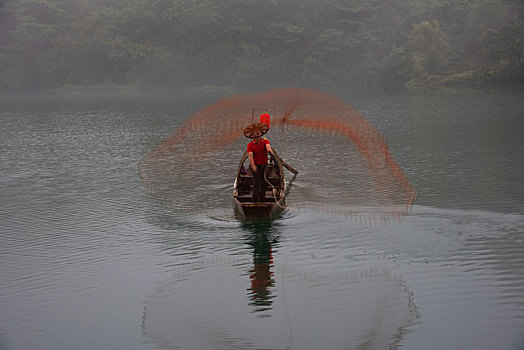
<point>255,130</point>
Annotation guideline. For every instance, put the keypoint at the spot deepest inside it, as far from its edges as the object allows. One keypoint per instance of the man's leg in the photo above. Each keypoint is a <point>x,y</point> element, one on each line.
<point>263,183</point>
<point>259,191</point>
<point>256,185</point>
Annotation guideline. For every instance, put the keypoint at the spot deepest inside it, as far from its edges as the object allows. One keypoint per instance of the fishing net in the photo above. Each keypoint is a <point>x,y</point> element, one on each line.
<point>344,162</point>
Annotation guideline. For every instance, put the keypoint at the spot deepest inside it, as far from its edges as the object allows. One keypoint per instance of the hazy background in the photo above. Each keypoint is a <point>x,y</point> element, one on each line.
<point>79,46</point>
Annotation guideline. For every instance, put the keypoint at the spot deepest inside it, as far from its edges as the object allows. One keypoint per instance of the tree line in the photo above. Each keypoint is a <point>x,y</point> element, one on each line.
<point>179,44</point>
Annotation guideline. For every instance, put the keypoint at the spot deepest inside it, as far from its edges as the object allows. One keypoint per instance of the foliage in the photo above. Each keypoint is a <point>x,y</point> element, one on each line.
<point>177,44</point>
<point>503,50</point>
<point>429,49</point>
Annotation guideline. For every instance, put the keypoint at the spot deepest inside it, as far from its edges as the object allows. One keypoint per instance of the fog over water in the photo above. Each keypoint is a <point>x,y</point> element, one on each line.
<point>91,259</point>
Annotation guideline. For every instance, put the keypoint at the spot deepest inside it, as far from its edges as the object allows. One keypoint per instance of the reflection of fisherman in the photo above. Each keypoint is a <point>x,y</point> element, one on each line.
<point>261,291</point>
<point>261,275</point>
<point>257,151</point>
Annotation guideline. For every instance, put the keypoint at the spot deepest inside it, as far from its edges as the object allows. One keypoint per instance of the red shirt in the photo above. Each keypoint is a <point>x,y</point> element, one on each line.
<point>259,151</point>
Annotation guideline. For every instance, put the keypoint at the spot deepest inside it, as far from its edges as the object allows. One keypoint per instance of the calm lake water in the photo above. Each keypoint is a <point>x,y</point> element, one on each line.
<point>89,259</point>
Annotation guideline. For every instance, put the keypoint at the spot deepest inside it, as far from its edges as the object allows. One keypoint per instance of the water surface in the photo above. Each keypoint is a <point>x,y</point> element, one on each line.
<point>90,259</point>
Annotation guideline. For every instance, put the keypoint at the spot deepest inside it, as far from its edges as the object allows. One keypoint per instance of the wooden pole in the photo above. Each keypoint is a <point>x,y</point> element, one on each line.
<point>289,167</point>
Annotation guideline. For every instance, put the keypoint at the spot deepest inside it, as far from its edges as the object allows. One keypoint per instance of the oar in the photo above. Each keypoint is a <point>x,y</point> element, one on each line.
<point>288,167</point>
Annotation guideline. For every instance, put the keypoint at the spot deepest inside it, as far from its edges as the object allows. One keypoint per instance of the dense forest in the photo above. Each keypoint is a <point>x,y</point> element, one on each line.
<point>253,44</point>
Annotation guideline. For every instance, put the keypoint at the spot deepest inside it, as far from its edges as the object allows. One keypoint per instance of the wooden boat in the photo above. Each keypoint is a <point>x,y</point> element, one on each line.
<point>274,202</point>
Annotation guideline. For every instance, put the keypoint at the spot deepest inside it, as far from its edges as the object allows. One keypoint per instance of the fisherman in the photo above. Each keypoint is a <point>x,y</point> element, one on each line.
<point>257,150</point>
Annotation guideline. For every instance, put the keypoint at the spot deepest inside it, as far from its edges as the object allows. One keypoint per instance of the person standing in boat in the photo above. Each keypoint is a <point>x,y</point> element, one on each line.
<point>257,150</point>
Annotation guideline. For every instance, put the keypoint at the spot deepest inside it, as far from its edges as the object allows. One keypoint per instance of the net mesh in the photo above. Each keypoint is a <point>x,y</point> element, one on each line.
<point>344,162</point>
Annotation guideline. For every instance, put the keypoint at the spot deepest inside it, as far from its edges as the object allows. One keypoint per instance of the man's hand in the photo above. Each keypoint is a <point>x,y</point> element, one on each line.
<point>254,168</point>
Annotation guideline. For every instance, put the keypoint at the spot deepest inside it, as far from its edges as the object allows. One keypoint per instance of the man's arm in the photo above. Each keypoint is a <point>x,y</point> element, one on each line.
<point>268,147</point>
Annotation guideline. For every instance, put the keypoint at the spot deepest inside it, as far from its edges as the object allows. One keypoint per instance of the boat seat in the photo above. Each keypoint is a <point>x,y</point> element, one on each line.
<point>249,197</point>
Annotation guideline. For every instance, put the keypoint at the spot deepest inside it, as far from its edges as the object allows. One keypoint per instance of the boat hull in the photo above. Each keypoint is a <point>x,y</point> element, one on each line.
<point>259,210</point>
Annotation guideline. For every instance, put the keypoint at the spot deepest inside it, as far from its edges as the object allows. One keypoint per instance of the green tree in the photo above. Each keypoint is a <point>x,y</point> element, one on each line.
<point>38,22</point>
<point>180,43</point>
<point>503,51</point>
<point>429,49</point>
<point>484,15</point>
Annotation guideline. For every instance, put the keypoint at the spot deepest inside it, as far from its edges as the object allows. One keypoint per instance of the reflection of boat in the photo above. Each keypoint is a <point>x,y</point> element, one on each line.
<point>274,201</point>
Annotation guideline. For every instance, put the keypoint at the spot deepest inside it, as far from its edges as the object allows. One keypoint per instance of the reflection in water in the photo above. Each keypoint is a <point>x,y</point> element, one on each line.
<point>262,279</point>
<point>264,296</point>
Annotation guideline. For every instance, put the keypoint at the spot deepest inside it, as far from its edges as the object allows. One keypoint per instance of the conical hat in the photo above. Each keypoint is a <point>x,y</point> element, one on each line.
<point>255,130</point>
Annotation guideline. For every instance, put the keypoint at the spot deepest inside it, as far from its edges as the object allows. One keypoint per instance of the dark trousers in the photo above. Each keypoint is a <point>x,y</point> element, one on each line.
<point>259,183</point>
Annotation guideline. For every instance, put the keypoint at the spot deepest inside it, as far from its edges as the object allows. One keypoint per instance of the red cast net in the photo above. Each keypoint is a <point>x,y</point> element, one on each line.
<point>344,162</point>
